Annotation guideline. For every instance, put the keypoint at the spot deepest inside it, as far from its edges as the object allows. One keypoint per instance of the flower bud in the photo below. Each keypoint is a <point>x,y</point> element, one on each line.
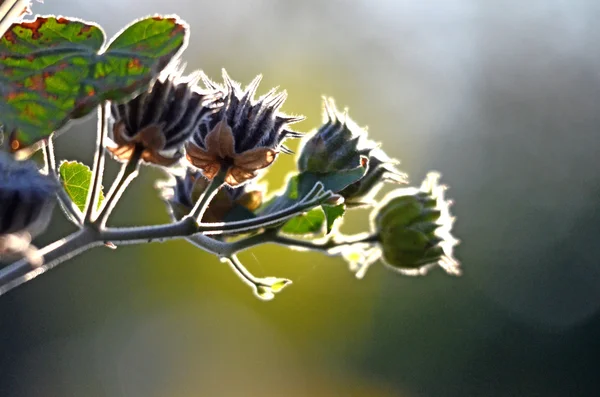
<point>27,197</point>
<point>414,228</point>
<point>160,120</point>
<point>182,192</point>
<point>245,135</point>
<point>337,145</point>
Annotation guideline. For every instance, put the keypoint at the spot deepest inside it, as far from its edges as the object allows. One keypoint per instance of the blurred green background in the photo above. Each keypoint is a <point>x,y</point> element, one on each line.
<point>502,97</point>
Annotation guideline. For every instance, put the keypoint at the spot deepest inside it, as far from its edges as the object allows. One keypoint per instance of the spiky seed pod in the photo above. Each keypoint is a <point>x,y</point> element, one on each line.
<point>380,169</point>
<point>337,145</point>
<point>27,197</point>
<point>414,228</point>
<point>245,135</point>
<point>182,192</point>
<point>160,120</point>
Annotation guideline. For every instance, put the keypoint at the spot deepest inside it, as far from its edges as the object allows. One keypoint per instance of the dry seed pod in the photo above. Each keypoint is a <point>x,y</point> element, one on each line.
<point>245,134</point>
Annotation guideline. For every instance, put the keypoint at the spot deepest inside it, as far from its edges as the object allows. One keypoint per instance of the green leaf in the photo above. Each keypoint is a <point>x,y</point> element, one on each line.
<point>333,213</point>
<point>76,178</point>
<point>57,69</point>
<point>307,223</point>
<point>334,181</point>
<point>300,184</point>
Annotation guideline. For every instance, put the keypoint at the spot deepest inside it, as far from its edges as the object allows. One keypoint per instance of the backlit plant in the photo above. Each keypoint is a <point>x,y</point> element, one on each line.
<point>211,139</point>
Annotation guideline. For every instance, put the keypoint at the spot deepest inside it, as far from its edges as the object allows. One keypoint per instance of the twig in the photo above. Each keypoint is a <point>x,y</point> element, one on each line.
<point>67,205</point>
<point>90,236</point>
<point>98,169</point>
<point>128,173</point>
<point>211,190</point>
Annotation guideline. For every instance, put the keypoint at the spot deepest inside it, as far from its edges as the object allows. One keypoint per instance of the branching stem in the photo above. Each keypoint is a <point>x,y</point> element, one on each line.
<point>91,236</point>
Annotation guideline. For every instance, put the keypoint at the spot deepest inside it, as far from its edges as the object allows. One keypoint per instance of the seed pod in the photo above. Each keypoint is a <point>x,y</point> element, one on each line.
<point>245,135</point>
<point>27,197</point>
<point>414,227</point>
<point>337,145</point>
<point>182,192</point>
<point>160,120</point>
<point>340,144</point>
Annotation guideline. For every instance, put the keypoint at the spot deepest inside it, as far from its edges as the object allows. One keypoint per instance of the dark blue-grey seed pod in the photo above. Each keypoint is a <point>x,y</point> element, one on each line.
<point>160,120</point>
<point>337,145</point>
<point>181,193</point>
<point>27,197</point>
<point>245,134</point>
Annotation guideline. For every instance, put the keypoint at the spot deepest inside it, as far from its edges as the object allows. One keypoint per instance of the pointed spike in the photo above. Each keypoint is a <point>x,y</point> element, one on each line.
<point>207,81</point>
<point>278,100</point>
<point>252,87</point>
<point>181,66</point>
<point>194,78</point>
<point>286,150</point>
<point>291,119</point>
<point>228,81</point>
<point>292,134</point>
<point>330,114</point>
<point>269,94</point>
<point>345,116</point>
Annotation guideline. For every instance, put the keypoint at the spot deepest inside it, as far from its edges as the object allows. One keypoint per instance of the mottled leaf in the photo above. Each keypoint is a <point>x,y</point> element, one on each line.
<point>56,69</point>
<point>76,178</point>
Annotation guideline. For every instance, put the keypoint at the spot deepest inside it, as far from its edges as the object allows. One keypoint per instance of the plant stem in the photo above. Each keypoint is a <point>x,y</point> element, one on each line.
<point>51,155</point>
<point>91,236</point>
<point>211,190</point>
<point>22,271</point>
<point>225,249</point>
<point>128,173</point>
<point>98,169</point>
<point>69,208</point>
<point>242,272</point>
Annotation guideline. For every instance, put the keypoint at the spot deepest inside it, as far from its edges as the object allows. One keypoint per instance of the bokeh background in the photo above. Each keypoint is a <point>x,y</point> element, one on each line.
<point>502,97</point>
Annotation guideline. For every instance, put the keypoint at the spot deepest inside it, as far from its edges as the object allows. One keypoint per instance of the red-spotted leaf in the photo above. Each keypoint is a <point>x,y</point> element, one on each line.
<point>56,69</point>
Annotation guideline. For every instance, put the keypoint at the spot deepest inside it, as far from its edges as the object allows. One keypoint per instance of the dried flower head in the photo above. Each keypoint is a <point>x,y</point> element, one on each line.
<point>27,197</point>
<point>182,192</point>
<point>160,120</point>
<point>245,135</point>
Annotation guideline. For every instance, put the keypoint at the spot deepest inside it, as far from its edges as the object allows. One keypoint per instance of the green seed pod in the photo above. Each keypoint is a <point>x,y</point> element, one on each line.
<point>414,228</point>
<point>340,144</point>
